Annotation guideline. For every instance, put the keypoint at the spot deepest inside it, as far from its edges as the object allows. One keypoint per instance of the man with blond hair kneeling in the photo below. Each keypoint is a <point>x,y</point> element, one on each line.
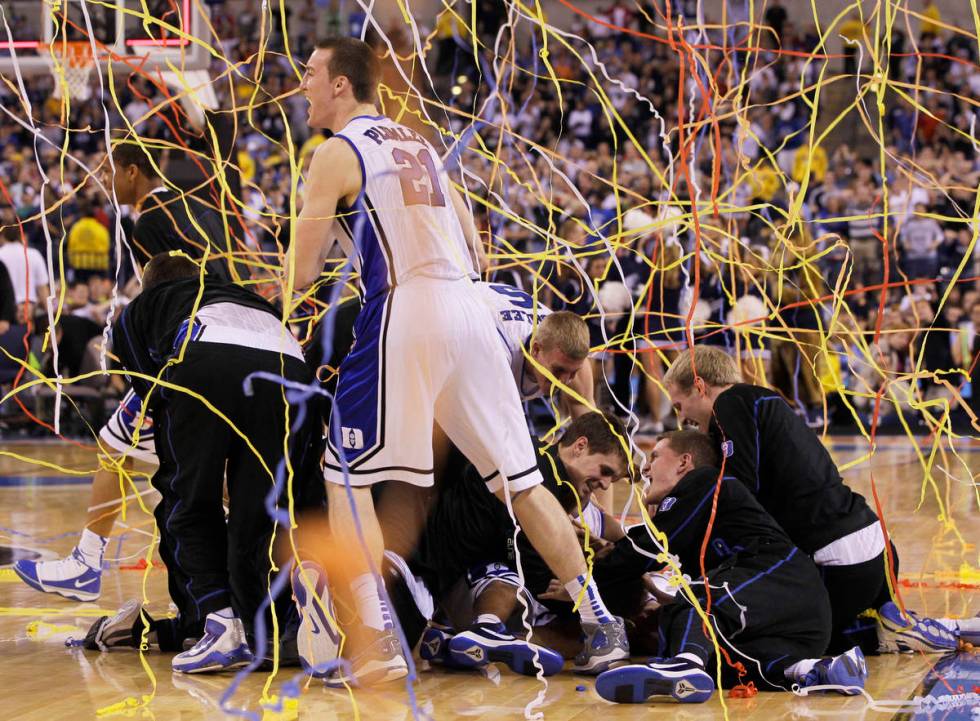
<point>771,450</point>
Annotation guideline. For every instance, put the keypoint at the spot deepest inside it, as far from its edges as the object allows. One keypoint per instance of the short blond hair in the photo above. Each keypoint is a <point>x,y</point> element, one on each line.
<point>709,363</point>
<point>566,331</point>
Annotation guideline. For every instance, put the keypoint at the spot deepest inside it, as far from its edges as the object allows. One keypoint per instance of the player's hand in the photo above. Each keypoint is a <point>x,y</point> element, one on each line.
<point>596,543</point>
<point>556,592</point>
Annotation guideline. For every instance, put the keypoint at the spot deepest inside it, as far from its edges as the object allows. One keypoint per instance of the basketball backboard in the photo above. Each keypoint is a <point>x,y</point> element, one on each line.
<point>173,31</point>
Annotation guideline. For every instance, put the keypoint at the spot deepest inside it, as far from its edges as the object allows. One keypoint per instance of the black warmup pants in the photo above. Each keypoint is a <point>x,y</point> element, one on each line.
<point>853,590</point>
<point>768,612</point>
<point>211,563</point>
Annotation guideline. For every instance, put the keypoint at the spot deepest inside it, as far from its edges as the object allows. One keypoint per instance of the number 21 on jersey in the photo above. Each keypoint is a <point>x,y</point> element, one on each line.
<point>419,178</point>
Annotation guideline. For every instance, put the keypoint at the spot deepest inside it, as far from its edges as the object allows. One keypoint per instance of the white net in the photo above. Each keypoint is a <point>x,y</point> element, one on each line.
<point>71,65</point>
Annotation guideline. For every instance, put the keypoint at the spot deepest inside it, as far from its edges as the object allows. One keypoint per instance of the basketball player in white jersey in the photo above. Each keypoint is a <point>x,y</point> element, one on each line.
<point>542,343</point>
<point>426,350</point>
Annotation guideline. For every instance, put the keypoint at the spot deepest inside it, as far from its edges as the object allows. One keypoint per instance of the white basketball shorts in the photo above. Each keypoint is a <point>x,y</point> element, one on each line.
<point>427,351</point>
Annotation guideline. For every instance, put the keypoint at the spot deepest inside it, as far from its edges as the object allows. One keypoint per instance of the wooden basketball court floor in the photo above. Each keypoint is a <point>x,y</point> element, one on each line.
<point>43,509</point>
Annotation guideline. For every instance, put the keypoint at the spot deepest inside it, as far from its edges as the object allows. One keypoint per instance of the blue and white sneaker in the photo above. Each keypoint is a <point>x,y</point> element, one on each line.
<point>846,673</point>
<point>70,577</point>
<point>675,677</point>
<point>317,640</point>
<point>605,646</point>
<point>222,648</point>
<point>382,661</point>
<point>434,645</point>
<point>483,643</point>
<point>898,634</point>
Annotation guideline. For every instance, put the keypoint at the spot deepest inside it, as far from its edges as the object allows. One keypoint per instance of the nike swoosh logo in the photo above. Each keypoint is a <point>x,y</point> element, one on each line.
<point>85,583</point>
<point>316,629</point>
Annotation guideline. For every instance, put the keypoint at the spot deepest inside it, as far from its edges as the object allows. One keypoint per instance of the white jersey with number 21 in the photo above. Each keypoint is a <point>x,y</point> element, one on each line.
<point>407,225</point>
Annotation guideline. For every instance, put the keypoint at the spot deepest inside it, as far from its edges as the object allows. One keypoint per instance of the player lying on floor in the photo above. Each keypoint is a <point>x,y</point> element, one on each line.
<point>772,451</point>
<point>469,559</point>
<point>204,344</point>
<point>767,609</point>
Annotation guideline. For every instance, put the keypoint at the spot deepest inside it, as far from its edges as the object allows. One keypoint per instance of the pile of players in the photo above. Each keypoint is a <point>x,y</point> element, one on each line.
<point>753,560</point>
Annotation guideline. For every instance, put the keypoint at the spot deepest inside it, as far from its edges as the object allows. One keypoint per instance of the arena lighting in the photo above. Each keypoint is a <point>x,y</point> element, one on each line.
<point>461,79</point>
<point>457,90</point>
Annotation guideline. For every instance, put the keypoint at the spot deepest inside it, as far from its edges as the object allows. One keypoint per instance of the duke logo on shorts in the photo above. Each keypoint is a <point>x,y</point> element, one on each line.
<point>352,437</point>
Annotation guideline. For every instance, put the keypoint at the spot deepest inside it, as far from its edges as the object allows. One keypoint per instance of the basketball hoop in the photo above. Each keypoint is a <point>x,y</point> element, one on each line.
<point>76,61</point>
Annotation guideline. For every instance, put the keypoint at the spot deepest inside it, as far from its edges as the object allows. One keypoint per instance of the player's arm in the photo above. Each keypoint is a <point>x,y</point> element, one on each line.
<point>612,529</point>
<point>335,174</point>
<point>480,260</point>
<point>628,559</point>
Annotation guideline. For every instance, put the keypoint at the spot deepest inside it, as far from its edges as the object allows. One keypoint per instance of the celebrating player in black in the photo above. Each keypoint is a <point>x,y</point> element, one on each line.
<point>767,607</point>
<point>206,352</point>
<point>779,459</point>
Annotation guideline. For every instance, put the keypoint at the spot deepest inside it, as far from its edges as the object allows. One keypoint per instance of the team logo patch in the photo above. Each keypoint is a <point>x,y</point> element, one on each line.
<point>433,646</point>
<point>352,437</point>
<point>683,689</point>
<point>665,505</point>
<point>727,449</point>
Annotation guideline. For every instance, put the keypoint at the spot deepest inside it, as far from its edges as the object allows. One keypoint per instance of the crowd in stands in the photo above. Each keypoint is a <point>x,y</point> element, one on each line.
<point>580,174</point>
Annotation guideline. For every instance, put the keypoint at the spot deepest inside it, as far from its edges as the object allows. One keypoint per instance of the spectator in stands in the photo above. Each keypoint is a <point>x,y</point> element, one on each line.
<point>8,305</point>
<point>88,242</point>
<point>863,226</point>
<point>776,17</point>
<point>920,238</point>
<point>965,344</point>
<point>931,19</point>
<point>26,269</point>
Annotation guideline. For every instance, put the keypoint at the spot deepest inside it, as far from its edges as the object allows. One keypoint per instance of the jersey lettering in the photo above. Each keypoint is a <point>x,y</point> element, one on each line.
<point>381,133</point>
<point>518,315</point>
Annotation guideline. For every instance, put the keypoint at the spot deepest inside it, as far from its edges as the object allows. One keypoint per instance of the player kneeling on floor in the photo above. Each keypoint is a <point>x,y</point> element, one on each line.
<point>205,344</point>
<point>768,608</point>
<point>783,463</point>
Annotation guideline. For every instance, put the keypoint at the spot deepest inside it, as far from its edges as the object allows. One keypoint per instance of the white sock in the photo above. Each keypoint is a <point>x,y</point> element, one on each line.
<point>371,607</point>
<point>489,619</point>
<point>696,660</point>
<point>592,610</point>
<point>798,670</point>
<point>91,546</point>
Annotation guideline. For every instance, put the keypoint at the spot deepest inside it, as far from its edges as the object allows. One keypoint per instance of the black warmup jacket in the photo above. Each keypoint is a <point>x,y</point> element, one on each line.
<point>772,451</point>
<point>164,224</point>
<point>149,329</point>
<point>742,533</point>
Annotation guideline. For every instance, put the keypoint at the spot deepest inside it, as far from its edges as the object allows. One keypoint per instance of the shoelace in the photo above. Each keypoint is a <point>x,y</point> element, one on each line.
<point>77,555</point>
